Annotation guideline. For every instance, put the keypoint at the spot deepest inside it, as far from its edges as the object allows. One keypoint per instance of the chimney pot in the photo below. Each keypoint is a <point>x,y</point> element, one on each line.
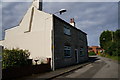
<point>72,22</point>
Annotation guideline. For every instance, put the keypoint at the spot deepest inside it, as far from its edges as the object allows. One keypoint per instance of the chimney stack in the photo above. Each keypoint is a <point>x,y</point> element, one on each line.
<point>72,22</point>
<point>38,4</point>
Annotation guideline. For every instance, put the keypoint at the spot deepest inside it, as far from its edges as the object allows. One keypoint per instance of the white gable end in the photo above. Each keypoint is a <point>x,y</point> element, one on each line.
<point>33,33</point>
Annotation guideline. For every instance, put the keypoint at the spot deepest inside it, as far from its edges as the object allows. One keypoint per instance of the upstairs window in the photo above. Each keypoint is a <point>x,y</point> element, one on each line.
<point>81,36</point>
<point>67,31</point>
<point>67,51</point>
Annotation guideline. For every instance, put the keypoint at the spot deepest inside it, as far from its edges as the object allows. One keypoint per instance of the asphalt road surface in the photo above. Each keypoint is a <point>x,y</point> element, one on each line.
<point>99,68</point>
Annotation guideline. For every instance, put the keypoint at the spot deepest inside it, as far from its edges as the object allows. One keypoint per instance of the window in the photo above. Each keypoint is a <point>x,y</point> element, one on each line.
<point>66,31</point>
<point>81,52</point>
<point>67,51</point>
<point>81,36</point>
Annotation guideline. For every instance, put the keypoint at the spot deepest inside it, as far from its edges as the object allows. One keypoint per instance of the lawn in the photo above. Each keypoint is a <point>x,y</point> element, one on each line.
<point>113,57</point>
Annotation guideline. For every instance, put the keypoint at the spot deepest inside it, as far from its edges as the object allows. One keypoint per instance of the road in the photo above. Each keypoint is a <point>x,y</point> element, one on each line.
<point>100,68</point>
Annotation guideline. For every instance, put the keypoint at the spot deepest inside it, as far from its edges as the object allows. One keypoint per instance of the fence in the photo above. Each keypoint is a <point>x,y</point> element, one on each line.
<point>16,72</point>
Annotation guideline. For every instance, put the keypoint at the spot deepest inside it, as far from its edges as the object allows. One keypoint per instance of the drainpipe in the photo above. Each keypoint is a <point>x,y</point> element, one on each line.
<point>53,56</point>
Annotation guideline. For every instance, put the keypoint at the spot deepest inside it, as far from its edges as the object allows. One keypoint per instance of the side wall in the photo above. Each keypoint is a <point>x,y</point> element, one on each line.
<point>38,40</point>
<point>76,40</point>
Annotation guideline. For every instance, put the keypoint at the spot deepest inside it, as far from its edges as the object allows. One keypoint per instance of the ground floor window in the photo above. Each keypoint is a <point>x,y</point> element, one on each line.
<point>81,51</point>
<point>67,51</point>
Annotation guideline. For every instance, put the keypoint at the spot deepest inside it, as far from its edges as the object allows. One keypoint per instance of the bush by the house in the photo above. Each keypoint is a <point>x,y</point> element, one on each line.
<point>92,53</point>
<point>14,57</point>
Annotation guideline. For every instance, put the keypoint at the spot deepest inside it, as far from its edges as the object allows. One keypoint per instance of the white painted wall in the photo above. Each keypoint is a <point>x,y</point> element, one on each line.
<point>1,42</point>
<point>38,41</point>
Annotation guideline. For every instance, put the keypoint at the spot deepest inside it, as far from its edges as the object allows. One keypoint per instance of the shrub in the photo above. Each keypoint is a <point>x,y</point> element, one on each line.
<point>14,57</point>
<point>91,53</point>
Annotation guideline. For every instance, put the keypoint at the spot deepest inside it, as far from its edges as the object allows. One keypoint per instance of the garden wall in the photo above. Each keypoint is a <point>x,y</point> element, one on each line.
<point>16,72</point>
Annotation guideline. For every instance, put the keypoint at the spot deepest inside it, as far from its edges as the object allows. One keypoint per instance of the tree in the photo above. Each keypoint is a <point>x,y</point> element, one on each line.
<point>117,40</point>
<point>117,35</point>
<point>110,41</point>
<point>105,39</point>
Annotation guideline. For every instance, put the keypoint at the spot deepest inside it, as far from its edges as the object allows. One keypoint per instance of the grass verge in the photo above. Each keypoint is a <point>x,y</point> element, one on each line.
<point>113,57</point>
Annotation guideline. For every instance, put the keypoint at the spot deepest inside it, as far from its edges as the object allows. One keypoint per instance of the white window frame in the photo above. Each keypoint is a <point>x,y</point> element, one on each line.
<point>67,48</point>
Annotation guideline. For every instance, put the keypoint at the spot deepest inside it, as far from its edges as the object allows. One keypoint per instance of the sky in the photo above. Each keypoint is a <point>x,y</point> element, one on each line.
<point>91,17</point>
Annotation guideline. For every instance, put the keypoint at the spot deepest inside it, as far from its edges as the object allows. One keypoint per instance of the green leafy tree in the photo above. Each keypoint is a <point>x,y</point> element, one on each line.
<point>117,35</point>
<point>110,41</point>
<point>112,49</point>
<point>105,39</point>
<point>117,40</point>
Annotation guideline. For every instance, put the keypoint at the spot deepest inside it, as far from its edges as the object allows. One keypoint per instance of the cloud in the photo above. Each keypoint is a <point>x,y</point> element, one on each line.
<point>13,12</point>
<point>62,0</point>
<point>91,17</point>
<point>0,21</point>
<point>17,0</point>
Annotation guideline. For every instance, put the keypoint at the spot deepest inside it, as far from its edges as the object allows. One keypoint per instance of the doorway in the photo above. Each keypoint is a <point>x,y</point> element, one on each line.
<point>76,55</point>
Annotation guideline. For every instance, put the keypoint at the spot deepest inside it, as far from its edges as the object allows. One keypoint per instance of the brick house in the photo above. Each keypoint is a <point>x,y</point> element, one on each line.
<point>46,35</point>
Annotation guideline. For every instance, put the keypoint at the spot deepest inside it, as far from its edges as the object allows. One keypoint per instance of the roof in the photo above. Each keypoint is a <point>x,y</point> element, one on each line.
<point>69,24</point>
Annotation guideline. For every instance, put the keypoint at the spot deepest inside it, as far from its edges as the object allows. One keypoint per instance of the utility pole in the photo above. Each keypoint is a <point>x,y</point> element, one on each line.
<point>112,36</point>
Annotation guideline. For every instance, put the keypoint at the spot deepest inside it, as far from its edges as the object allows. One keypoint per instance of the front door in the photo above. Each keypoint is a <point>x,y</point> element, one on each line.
<point>76,55</point>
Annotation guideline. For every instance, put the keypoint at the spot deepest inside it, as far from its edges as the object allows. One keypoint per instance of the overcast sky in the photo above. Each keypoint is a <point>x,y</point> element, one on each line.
<point>90,17</point>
